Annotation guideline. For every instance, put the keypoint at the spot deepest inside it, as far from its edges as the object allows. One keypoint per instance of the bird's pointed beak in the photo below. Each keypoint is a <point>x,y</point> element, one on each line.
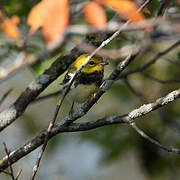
<point>104,63</point>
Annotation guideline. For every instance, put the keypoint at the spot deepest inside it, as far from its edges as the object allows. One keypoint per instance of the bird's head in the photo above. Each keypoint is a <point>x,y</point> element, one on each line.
<point>94,64</point>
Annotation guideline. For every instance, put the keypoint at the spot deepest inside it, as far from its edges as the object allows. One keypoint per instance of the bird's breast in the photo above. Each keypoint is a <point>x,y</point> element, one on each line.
<point>81,92</point>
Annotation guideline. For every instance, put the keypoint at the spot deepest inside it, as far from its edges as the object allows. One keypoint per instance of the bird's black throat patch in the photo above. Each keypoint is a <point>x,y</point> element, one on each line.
<point>92,78</point>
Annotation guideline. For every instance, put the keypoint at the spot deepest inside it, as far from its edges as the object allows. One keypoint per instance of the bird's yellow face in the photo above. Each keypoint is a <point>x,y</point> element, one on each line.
<point>94,64</point>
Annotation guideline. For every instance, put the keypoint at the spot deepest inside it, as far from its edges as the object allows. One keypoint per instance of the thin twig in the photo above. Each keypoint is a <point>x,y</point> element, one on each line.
<point>5,96</point>
<point>5,172</point>
<point>114,26</point>
<point>113,53</point>
<point>160,80</point>
<point>16,66</point>
<point>51,125</point>
<point>151,61</point>
<point>9,162</point>
<point>18,174</point>
<point>175,62</point>
<point>153,141</point>
<point>43,97</point>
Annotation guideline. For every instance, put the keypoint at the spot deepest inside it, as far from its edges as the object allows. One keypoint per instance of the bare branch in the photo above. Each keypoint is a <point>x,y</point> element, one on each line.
<point>16,66</point>
<point>18,174</point>
<point>160,80</point>
<point>5,172</point>
<point>159,22</point>
<point>60,127</point>
<point>114,53</point>
<point>150,62</point>
<point>5,96</point>
<point>9,162</point>
<point>175,62</point>
<point>48,96</point>
<point>153,141</point>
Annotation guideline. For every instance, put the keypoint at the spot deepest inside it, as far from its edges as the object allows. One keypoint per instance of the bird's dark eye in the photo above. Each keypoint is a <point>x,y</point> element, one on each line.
<point>91,63</point>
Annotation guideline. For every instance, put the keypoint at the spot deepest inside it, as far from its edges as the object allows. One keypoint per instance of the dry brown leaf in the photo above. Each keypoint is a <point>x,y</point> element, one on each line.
<point>56,19</point>
<point>52,16</point>
<point>15,19</point>
<point>126,8</point>
<point>36,17</point>
<point>10,29</point>
<point>95,14</point>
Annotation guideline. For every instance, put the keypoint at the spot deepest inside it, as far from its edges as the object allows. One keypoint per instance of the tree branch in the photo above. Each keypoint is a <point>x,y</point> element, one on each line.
<point>55,93</point>
<point>153,141</point>
<point>5,96</point>
<point>160,80</point>
<point>9,163</point>
<point>150,62</point>
<point>15,155</point>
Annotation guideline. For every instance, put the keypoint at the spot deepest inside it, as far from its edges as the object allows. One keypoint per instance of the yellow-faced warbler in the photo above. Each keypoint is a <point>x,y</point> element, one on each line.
<point>87,81</point>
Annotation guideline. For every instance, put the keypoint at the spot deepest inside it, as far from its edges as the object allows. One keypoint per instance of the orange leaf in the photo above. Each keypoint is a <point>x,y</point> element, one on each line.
<point>36,17</point>
<point>127,8</point>
<point>95,14</point>
<point>10,29</point>
<point>15,19</point>
<point>56,19</point>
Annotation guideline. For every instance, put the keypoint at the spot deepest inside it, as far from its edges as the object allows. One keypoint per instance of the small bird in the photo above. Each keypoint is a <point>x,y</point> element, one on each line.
<point>87,81</point>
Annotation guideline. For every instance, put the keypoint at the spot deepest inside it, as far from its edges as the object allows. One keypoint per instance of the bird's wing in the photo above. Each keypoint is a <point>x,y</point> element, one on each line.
<point>67,78</point>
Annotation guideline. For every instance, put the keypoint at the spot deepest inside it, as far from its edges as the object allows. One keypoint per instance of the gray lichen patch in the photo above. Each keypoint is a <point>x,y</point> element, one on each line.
<point>111,119</point>
<point>79,112</point>
<point>169,98</point>
<point>38,82</point>
<point>140,111</point>
<point>7,116</point>
<point>27,147</point>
